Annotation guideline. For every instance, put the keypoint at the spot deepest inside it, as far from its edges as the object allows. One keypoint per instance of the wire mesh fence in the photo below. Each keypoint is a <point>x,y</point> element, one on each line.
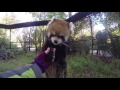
<point>86,40</point>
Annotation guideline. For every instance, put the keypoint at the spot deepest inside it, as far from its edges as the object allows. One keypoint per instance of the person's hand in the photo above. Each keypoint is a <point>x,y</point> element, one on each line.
<point>41,62</point>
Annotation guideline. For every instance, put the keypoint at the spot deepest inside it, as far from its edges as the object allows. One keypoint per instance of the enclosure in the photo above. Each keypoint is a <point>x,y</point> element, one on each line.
<point>94,47</point>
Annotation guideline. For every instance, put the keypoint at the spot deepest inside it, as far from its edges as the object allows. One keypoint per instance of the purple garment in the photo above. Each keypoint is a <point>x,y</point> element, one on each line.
<point>40,61</point>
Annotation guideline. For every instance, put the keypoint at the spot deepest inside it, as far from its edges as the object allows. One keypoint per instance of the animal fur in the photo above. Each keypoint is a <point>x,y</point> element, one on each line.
<point>58,32</point>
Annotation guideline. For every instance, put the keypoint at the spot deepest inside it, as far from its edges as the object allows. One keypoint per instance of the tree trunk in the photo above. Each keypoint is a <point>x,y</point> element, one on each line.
<point>91,32</point>
<point>55,72</point>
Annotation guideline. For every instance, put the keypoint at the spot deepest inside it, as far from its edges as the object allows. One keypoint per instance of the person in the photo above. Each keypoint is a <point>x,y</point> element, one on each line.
<point>33,70</point>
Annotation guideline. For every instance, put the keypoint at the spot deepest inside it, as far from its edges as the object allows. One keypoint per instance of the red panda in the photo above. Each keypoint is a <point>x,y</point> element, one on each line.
<point>58,33</point>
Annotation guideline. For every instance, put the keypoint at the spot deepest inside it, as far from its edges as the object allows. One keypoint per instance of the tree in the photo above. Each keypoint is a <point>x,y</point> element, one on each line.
<point>9,18</point>
<point>5,38</point>
<point>48,15</point>
<point>111,22</point>
<point>25,39</point>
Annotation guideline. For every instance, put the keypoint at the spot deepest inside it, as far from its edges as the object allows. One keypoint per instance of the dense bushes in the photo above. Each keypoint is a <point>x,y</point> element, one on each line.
<point>82,46</point>
<point>115,46</point>
<point>5,51</point>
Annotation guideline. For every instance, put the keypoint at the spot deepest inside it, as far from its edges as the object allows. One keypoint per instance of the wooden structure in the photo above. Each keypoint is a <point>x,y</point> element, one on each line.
<point>53,71</point>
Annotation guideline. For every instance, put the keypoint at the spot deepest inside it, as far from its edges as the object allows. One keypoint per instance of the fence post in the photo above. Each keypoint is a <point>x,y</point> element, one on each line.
<point>10,38</point>
<point>29,38</point>
<point>36,39</point>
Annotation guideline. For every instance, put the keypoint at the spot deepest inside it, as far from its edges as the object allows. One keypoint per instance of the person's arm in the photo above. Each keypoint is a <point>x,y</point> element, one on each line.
<point>28,71</point>
<point>34,70</point>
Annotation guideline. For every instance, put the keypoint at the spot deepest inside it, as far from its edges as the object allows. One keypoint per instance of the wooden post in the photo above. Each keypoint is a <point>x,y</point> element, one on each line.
<point>43,35</point>
<point>55,72</point>
<point>29,38</point>
<point>36,39</point>
<point>40,41</point>
<point>10,38</point>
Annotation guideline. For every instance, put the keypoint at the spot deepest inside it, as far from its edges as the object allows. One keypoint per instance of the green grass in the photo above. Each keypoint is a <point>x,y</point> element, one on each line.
<point>86,67</point>
<point>19,61</point>
<point>78,66</point>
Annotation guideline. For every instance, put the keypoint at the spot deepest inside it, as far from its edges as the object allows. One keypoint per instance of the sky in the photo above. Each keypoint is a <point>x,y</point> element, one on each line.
<point>22,16</point>
<point>99,27</point>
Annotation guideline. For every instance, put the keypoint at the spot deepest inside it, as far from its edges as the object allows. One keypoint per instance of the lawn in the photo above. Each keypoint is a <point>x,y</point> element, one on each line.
<point>19,61</point>
<point>78,66</point>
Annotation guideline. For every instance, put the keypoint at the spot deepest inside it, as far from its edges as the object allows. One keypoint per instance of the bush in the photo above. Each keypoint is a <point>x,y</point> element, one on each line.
<point>80,46</point>
<point>6,54</point>
<point>115,47</point>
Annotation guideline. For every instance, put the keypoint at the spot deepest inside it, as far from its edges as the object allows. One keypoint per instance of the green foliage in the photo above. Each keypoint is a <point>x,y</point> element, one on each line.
<point>80,41</point>
<point>81,46</point>
<point>48,15</point>
<point>80,26</point>
<point>107,19</point>
<point>5,53</point>
<point>9,18</point>
<point>59,15</point>
<point>115,31</point>
<point>115,47</point>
